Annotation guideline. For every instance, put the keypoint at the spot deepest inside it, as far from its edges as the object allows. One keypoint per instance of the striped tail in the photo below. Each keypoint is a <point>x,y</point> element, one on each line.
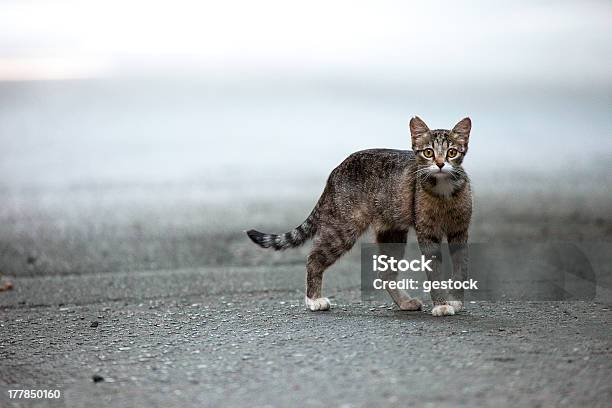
<point>291,239</point>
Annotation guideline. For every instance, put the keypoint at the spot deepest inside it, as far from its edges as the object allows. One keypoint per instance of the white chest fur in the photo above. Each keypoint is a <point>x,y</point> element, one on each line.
<point>443,188</point>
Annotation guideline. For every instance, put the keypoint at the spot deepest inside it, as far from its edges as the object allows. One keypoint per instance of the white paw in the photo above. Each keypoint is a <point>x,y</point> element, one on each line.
<point>456,304</point>
<point>411,304</point>
<point>443,310</point>
<point>318,304</point>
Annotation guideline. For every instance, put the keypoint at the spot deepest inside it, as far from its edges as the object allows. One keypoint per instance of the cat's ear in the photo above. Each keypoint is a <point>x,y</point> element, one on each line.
<point>462,129</point>
<point>418,129</point>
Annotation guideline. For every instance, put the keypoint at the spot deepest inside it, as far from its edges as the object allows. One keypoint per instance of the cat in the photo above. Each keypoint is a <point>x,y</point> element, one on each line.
<point>391,191</point>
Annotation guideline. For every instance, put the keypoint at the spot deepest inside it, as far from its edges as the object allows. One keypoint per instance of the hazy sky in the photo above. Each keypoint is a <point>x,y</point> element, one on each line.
<point>558,41</point>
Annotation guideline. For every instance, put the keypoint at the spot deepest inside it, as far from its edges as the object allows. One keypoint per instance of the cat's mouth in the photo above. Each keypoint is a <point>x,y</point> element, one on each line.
<point>440,173</point>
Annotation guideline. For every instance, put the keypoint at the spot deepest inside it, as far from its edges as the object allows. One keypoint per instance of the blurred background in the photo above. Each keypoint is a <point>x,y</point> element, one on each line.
<point>142,136</point>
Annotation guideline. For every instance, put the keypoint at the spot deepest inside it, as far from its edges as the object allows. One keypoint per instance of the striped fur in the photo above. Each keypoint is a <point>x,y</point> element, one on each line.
<point>390,192</point>
<point>292,239</point>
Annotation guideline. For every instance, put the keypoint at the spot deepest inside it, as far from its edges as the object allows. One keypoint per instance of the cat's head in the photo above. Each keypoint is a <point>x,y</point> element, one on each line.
<point>439,153</point>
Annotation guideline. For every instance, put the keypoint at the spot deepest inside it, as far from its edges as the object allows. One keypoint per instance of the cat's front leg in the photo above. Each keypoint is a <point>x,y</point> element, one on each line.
<point>459,254</point>
<point>430,247</point>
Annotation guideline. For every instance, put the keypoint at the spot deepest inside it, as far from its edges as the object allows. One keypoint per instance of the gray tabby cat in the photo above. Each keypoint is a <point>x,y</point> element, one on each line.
<point>390,191</point>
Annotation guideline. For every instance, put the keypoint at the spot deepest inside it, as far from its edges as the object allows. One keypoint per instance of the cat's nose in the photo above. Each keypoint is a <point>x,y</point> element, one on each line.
<point>440,165</point>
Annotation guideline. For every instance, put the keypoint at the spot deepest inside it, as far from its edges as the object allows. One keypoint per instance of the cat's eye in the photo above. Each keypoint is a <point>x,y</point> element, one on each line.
<point>452,153</point>
<point>428,153</point>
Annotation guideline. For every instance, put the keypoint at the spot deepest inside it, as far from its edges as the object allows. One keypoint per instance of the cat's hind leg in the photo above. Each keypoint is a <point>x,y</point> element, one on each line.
<point>329,244</point>
<point>392,243</point>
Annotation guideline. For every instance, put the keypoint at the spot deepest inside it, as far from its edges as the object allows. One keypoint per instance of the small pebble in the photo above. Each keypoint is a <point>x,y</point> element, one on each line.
<point>97,378</point>
<point>8,285</point>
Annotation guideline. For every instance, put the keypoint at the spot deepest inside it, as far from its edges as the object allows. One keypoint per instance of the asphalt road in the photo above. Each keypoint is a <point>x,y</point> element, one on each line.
<point>164,301</point>
<point>241,337</point>
<point>122,210</point>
